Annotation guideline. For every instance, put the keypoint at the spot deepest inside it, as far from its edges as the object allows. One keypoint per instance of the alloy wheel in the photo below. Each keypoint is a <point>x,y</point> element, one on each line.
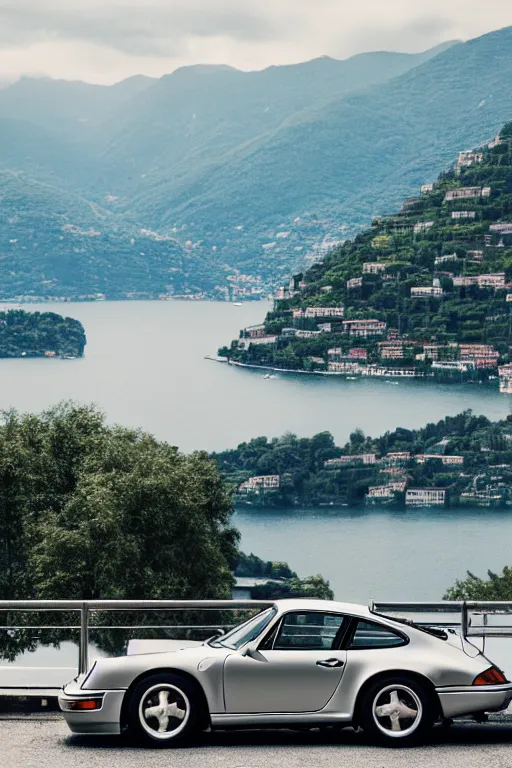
<point>397,711</point>
<point>164,711</point>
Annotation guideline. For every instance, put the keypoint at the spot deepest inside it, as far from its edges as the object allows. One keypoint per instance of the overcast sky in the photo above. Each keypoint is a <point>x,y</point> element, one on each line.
<point>106,40</point>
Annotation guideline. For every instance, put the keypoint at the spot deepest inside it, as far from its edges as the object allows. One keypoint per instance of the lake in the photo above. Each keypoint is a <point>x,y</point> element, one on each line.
<point>145,367</point>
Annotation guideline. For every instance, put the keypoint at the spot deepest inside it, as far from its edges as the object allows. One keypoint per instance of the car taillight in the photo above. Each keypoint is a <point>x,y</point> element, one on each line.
<point>491,676</point>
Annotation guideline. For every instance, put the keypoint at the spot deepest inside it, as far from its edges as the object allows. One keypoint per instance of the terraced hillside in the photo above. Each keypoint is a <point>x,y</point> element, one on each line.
<point>424,292</point>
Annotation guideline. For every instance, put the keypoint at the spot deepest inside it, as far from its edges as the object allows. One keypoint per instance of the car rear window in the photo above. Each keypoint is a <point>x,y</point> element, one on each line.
<point>367,634</point>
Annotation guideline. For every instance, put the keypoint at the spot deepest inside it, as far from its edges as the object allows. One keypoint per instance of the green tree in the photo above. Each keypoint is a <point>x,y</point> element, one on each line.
<point>90,511</point>
<point>495,587</point>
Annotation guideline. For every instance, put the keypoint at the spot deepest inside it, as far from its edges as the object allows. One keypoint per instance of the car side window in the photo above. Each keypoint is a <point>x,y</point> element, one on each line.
<point>303,631</point>
<point>370,635</point>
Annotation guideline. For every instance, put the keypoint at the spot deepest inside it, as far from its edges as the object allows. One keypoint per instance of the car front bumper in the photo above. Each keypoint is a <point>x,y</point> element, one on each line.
<point>103,721</point>
<point>472,699</point>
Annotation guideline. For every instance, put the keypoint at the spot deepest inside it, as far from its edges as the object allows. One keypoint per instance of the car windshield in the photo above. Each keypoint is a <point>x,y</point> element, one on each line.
<point>246,632</point>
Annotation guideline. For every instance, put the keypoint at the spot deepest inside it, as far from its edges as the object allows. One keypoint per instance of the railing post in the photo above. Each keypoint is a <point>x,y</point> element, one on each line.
<point>464,619</point>
<point>83,654</point>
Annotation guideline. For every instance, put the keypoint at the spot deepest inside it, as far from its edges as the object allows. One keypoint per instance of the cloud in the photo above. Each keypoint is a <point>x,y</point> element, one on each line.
<point>102,40</point>
<point>139,28</point>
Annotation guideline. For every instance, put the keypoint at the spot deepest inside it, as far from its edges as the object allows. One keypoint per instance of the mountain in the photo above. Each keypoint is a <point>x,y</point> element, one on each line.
<point>103,150</point>
<point>198,114</point>
<point>57,245</point>
<point>423,293</point>
<point>67,108</point>
<point>254,173</point>
<point>325,171</point>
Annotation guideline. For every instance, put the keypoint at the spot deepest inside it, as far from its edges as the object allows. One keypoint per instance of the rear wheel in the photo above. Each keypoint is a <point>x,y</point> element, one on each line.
<point>163,710</point>
<point>397,712</point>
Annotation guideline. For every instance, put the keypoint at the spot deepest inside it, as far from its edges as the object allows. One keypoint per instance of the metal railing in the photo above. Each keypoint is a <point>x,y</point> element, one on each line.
<point>470,618</point>
<point>85,609</point>
<point>474,618</point>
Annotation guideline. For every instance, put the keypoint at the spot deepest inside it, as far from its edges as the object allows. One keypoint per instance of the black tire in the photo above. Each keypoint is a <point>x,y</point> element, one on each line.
<point>171,698</point>
<point>387,712</point>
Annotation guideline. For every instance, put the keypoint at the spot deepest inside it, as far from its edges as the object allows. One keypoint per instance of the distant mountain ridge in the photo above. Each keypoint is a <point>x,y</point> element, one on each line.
<point>247,174</point>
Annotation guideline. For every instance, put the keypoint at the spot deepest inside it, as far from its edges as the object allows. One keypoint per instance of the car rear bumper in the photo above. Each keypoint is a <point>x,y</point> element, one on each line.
<point>471,699</point>
<point>103,721</point>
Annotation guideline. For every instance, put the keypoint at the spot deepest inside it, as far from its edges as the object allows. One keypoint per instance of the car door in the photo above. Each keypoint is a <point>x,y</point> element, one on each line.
<point>296,669</point>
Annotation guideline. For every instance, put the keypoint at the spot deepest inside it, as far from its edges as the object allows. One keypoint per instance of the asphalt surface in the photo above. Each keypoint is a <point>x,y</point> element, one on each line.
<point>43,741</point>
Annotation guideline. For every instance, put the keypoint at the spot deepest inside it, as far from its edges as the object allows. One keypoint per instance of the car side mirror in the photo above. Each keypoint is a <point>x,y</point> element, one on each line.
<point>250,650</point>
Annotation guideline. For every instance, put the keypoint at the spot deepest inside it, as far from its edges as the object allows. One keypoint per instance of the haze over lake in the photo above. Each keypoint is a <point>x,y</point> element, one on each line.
<point>144,366</point>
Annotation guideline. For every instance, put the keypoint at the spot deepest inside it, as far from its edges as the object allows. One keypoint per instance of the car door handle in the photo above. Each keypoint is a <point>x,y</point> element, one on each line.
<point>330,663</point>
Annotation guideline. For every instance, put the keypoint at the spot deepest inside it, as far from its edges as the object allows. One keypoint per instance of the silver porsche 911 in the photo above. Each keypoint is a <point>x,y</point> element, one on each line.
<point>300,663</point>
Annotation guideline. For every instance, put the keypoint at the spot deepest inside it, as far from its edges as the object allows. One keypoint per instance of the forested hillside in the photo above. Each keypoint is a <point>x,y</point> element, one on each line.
<point>55,244</point>
<point>425,291</point>
<point>463,460</point>
<point>40,334</point>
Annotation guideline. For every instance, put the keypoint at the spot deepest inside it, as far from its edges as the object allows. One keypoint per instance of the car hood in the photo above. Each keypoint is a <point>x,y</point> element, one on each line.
<point>138,647</point>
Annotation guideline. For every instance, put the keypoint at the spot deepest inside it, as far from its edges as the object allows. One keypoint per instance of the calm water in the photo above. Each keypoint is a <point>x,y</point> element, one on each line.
<point>413,555</point>
<point>145,366</point>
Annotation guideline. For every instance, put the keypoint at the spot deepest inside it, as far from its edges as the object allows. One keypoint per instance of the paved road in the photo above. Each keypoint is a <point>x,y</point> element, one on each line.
<point>44,742</point>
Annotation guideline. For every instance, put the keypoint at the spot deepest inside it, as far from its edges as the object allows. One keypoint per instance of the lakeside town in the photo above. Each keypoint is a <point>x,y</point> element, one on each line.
<point>462,461</point>
<point>426,293</point>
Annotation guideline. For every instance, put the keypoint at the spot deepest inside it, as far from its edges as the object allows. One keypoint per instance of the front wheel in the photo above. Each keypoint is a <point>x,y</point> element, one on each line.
<point>397,712</point>
<point>163,711</point>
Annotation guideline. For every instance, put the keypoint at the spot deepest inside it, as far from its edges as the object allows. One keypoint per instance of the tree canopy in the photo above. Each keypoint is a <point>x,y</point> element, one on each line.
<point>496,587</point>
<point>91,511</point>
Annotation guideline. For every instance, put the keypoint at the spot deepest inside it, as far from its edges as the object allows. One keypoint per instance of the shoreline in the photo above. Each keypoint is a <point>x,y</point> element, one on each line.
<point>430,377</point>
<point>369,508</point>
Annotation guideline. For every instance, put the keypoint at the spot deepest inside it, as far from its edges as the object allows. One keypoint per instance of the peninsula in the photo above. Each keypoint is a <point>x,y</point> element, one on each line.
<point>426,292</point>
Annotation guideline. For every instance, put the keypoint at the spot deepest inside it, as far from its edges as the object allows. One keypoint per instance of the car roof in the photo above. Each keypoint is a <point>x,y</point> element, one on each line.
<point>301,604</point>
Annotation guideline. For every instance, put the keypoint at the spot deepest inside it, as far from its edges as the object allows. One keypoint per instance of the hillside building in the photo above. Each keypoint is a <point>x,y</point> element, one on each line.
<point>364,328</point>
<point>463,215</point>
<point>321,312</point>
<point>502,229</point>
<point>373,268</point>
<point>425,497</point>
<point>381,492</point>
<point>467,193</point>
<point>398,457</point>
<point>444,259</point>
<point>367,459</point>
<point>262,482</point>
<point>469,157</point>
<point>505,374</point>
<point>422,226</point>
<point>426,292</point>
<point>390,350</point>
<point>255,331</point>
<point>246,343</point>
<point>447,461</point>
<point>344,367</point>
